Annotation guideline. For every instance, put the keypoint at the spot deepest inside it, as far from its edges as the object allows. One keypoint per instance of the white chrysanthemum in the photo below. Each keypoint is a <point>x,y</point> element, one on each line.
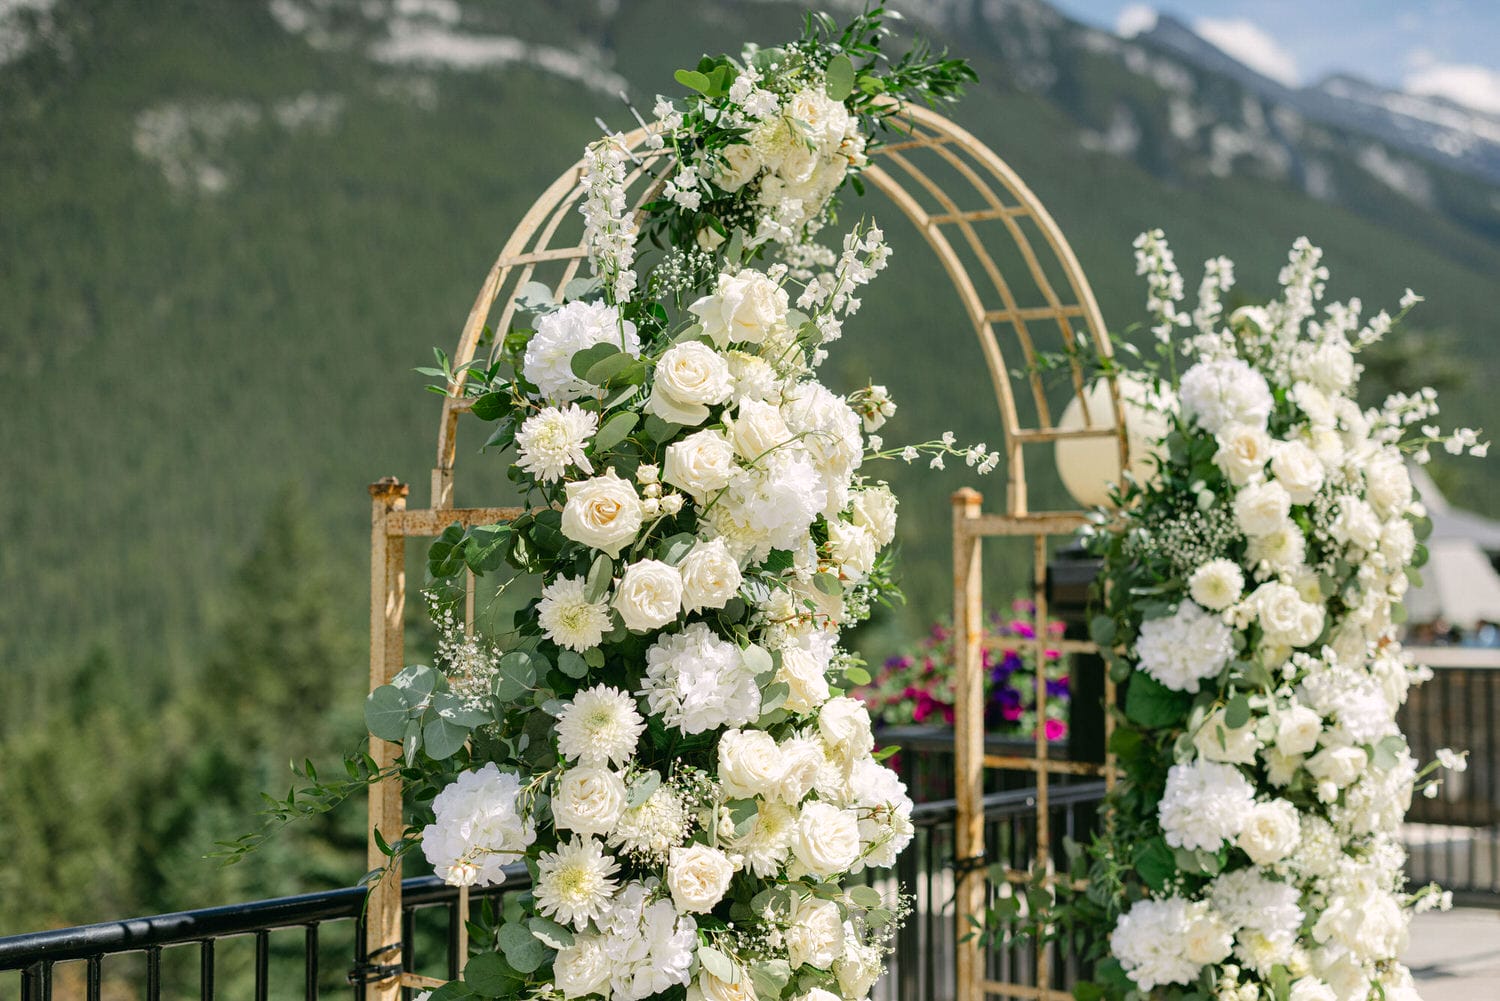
<point>1217,584</point>
<point>1182,649</point>
<point>650,831</point>
<point>568,618</point>
<point>649,945</point>
<point>600,725</point>
<point>477,828</point>
<point>1205,804</point>
<point>1149,941</point>
<point>563,333</point>
<point>1281,550</point>
<point>1224,392</point>
<point>696,681</point>
<point>554,439</point>
<point>574,884</point>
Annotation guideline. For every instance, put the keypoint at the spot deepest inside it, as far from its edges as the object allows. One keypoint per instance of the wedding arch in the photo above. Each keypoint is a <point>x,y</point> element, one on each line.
<point>1023,293</point>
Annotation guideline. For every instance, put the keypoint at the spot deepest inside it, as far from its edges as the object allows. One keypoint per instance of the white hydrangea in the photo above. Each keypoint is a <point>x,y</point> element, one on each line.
<point>649,945</point>
<point>478,828</point>
<point>696,681</point>
<point>1205,804</point>
<point>1216,394</point>
<point>564,332</point>
<point>1265,914</point>
<point>1150,940</point>
<point>1182,649</point>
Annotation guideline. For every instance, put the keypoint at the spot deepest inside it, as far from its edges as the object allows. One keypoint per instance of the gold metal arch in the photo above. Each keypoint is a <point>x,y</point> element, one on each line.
<point>1023,293</point>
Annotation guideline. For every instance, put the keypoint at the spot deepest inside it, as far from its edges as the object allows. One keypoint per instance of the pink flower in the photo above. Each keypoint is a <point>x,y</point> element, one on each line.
<point>1055,729</point>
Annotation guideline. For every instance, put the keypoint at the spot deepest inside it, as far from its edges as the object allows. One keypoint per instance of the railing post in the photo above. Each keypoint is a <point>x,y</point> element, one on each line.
<point>382,937</point>
<point>968,726</point>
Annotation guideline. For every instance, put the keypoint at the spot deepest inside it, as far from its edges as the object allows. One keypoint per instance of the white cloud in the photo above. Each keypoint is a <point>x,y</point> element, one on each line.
<point>1135,19</point>
<point>1476,87</point>
<point>1251,45</point>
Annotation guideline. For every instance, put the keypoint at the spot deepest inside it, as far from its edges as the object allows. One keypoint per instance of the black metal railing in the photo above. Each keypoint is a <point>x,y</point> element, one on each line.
<point>303,946</point>
<point>1454,837</point>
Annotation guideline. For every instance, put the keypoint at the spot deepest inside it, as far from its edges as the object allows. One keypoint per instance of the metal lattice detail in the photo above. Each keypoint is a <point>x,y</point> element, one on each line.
<point>1023,293</point>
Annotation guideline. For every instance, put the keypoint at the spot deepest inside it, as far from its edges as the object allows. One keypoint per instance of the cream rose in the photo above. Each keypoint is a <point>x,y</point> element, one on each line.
<point>1389,484</point>
<point>743,308</point>
<point>649,595</point>
<point>1298,730</point>
<point>700,464</point>
<point>582,968</point>
<point>1243,452</point>
<point>749,763</point>
<point>758,429</point>
<point>603,513</point>
<point>710,576</point>
<point>588,800</point>
<point>1297,469</point>
<point>844,724</point>
<point>826,839</point>
<point>1206,939</point>
<point>1331,367</point>
<point>1356,523</point>
<point>816,934</point>
<point>875,509</point>
<point>739,168</point>
<point>1339,765</point>
<point>858,968</point>
<point>710,988</point>
<point>1261,508</point>
<point>1270,832</point>
<point>690,377</point>
<point>1284,617</point>
<point>1217,741</point>
<point>852,548</point>
<point>803,673</point>
<point>802,758</point>
<point>698,877</point>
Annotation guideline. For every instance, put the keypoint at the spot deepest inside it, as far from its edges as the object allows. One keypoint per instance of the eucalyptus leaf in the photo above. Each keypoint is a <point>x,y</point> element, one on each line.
<point>675,549</point>
<point>442,739</point>
<point>828,584</point>
<point>644,787</point>
<point>523,950</point>
<point>386,712</point>
<point>572,664</point>
<point>758,659</point>
<point>1237,712</point>
<point>488,974</point>
<point>590,356</point>
<point>717,964</point>
<point>602,371</point>
<point>838,78</point>
<point>692,80</point>
<point>614,431</point>
<point>866,897</point>
<point>551,934</point>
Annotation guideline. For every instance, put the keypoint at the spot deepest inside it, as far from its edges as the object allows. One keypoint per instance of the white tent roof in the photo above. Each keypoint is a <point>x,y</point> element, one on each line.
<point>1458,584</point>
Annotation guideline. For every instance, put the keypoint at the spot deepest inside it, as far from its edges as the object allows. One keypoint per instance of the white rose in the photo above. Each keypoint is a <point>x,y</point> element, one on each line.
<point>802,671</point>
<point>689,378</point>
<point>582,968</point>
<point>818,994</point>
<point>1298,730</point>
<point>1389,484</point>
<point>710,576</point>
<point>700,464</point>
<point>1356,523</point>
<point>816,934</point>
<point>1331,367</point>
<point>802,760</point>
<point>649,595</point>
<point>875,509</point>
<point>859,967</point>
<point>1243,452</point>
<point>1281,768</point>
<point>710,988</point>
<point>603,513</point>
<point>1298,470</point>
<point>1284,617</point>
<point>1398,542</point>
<point>757,429</point>
<point>739,168</point>
<point>844,724</point>
<point>1217,584</point>
<point>826,839</point>
<point>824,119</point>
<point>1339,765</point>
<point>698,877</point>
<point>743,308</point>
<point>1311,989</point>
<point>1217,741</point>
<point>749,763</point>
<point>1261,508</point>
<point>852,547</point>
<point>1270,832</point>
<point>1206,938</point>
<point>588,800</point>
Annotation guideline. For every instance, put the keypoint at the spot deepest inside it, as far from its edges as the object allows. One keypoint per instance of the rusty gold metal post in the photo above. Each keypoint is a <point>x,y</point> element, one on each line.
<point>968,751</point>
<point>387,607</point>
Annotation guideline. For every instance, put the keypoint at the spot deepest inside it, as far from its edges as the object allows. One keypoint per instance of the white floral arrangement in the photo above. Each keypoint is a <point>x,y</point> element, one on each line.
<point>664,740</point>
<point>1251,603</point>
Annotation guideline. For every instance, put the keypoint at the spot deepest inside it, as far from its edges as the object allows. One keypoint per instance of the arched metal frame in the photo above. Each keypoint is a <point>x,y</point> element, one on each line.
<point>971,209</point>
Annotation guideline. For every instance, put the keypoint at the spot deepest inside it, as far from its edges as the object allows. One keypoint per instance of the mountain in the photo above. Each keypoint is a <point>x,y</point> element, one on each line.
<point>229,231</point>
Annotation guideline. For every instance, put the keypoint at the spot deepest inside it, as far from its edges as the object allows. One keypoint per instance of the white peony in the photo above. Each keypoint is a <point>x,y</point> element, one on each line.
<point>588,800</point>
<point>477,828</point>
<point>1356,523</point>
<point>749,764</point>
<point>1216,394</point>
<point>1298,470</point>
<point>1217,584</point>
<point>649,595</point>
<point>1262,508</point>
<point>710,576</point>
<point>1285,619</point>
<point>859,967</point>
<point>563,333</point>
<point>599,726</point>
<point>802,760</point>
<point>815,934</point>
<point>700,464</point>
<point>698,877</point>
<point>1331,367</point>
<point>804,667</point>
<point>1339,764</point>
<point>1182,649</point>
<point>743,309</point>
<point>696,681</point>
<point>554,439</point>
<point>1388,483</point>
<point>690,377</point>
<point>1243,452</point>
<point>603,513</point>
<point>853,548</point>
<point>568,618</point>
<point>825,839</point>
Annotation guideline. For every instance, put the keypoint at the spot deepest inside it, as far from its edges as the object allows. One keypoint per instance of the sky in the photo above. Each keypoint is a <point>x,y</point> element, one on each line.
<point>1445,47</point>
